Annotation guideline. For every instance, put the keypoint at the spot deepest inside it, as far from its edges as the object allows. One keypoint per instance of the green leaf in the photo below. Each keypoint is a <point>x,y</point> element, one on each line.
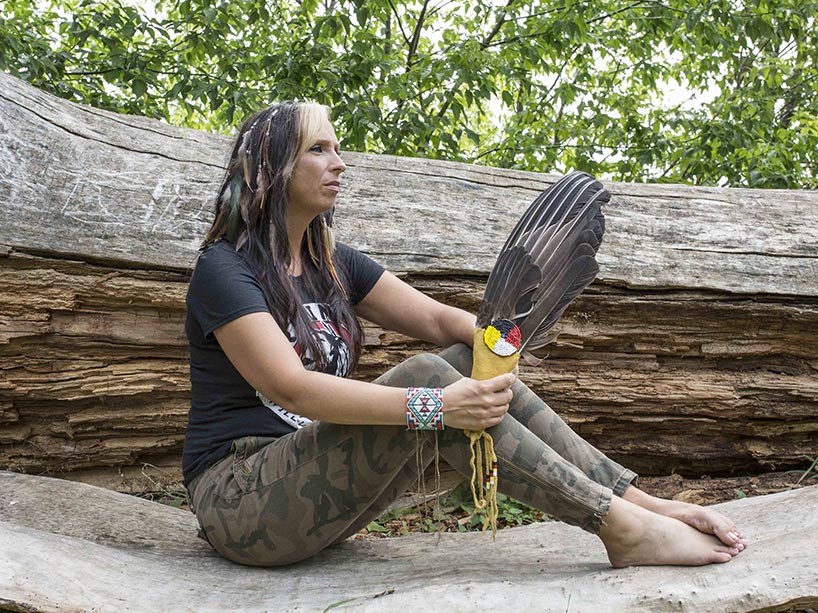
<point>591,87</point>
<point>139,87</point>
<point>376,527</point>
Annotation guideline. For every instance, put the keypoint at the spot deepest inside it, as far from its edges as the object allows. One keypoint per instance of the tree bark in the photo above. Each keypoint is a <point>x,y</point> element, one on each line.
<point>694,351</point>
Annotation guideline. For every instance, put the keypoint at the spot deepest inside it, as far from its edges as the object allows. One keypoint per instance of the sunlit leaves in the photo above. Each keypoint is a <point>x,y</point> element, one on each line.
<point>701,91</point>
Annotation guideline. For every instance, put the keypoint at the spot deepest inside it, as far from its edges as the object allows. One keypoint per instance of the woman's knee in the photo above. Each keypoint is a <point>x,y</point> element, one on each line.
<point>459,356</point>
<point>421,370</point>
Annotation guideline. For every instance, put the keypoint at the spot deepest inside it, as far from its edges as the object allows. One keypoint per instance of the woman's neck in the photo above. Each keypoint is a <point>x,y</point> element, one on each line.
<point>295,233</point>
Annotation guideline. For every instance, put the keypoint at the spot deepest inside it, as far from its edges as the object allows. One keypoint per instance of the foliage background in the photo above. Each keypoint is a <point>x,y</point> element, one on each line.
<point>719,92</point>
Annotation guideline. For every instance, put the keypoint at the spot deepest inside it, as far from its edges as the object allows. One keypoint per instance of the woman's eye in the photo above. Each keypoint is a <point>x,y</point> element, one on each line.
<point>317,148</point>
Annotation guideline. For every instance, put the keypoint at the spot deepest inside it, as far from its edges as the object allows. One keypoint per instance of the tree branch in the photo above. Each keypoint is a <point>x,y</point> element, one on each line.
<point>413,45</point>
<point>400,23</point>
<point>497,25</point>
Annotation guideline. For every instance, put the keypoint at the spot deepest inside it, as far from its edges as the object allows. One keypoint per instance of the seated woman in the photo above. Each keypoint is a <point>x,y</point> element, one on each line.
<point>284,456</point>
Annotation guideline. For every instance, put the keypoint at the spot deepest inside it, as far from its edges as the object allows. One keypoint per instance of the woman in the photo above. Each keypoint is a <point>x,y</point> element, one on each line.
<point>284,456</point>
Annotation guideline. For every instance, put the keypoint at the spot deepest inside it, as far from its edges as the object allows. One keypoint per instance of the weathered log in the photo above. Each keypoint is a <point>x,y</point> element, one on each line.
<point>693,352</point>
<point>73,547</point>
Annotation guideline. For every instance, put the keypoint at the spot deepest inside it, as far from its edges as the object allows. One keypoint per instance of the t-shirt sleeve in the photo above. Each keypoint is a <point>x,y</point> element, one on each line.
<point>362,272</point>
<point>223,288</point>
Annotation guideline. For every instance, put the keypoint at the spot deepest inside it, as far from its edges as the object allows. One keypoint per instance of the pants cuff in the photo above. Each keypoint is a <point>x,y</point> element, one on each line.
<point>628,477</point>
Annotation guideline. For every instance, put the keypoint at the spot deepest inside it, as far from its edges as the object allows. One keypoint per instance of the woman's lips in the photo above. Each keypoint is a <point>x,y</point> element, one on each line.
<point>335,187</point>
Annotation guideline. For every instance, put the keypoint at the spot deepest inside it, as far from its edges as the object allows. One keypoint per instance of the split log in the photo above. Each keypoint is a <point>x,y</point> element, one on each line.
<point>695,350</point>
<point>72,547</point>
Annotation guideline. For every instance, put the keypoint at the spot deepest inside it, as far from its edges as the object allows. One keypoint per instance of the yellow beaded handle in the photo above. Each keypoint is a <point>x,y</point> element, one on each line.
<point>487,364</point>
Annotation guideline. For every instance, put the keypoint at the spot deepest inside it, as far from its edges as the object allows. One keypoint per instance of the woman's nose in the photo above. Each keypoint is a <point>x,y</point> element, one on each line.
<point>338,164</point>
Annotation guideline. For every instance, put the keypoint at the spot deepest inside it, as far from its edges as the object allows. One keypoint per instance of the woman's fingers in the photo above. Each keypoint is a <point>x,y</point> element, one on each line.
<point>501,382</point>
<point>476,405</point>
<point>499,390</point>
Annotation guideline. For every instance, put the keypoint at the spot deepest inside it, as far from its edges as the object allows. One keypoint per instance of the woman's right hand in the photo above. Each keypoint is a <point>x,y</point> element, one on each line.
<point>469,404</point>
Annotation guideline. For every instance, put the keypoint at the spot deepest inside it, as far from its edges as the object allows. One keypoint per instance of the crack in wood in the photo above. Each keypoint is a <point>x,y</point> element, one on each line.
<point>797,256</point>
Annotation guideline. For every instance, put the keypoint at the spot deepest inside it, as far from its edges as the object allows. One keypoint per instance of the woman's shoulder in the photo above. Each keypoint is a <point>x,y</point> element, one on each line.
<point>221,248</point>
<point>343,247</point>
<point>218,259</point>
<point>222,272</point>
<point>362,271</point>
<point>219,254</point>
<point>344,251</point>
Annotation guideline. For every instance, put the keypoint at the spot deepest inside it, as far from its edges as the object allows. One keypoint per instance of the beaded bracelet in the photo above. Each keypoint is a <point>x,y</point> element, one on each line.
<point>424,408</point>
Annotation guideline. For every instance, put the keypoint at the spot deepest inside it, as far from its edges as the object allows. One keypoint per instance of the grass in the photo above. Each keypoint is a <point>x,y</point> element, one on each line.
<point>452,513</point>
<point>811,472</point>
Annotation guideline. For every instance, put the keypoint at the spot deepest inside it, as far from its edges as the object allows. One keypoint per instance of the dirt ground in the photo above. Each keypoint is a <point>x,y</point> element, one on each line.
<point>411,515</point>
<point>722,489</point>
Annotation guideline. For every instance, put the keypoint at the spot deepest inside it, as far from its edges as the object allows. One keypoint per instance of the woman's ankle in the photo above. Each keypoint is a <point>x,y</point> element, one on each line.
<point>642,499</point>
<point>621,521</point>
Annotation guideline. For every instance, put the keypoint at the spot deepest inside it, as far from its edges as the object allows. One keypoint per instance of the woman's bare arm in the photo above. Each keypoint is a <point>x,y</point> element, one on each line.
<point>262,354</point>
<point>396,305</point>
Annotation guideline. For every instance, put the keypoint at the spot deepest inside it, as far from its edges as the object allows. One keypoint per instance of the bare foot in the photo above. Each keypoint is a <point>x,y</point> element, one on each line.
<point>634,536</point>
<point>703,519</point>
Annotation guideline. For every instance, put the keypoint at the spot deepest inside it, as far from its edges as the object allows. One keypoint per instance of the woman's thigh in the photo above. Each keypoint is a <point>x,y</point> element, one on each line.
<point>274,503</point>
<point>277,501</point>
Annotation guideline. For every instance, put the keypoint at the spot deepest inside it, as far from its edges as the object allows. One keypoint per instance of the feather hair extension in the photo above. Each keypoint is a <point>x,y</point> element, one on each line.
<point>548,259</point>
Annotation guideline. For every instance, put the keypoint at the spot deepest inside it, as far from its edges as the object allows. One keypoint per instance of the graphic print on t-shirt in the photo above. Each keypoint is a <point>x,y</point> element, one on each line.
<point>333,345</point>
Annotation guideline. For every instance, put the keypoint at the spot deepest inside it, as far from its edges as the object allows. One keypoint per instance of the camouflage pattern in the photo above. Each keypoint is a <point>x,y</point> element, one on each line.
<point>272,502</point>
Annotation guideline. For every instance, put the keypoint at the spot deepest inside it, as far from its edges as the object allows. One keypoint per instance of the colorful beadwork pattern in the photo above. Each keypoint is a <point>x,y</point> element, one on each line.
<point>424,408</point>
<point>502,337</point>
<point>491,478</point>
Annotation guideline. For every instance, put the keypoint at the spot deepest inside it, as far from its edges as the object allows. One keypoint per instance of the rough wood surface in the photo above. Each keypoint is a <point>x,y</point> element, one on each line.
<point>695,350</point>
<point>80,180</point>
<point>72,547</point>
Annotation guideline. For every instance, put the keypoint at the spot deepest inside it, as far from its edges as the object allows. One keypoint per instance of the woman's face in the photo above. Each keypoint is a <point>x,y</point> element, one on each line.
<point>314,184</point>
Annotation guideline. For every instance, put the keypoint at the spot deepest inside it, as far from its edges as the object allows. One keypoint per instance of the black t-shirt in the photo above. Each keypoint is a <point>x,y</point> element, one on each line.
<point>224,406</point>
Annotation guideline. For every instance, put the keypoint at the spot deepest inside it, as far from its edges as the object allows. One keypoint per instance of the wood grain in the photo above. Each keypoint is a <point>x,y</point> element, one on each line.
<point>693,352</point>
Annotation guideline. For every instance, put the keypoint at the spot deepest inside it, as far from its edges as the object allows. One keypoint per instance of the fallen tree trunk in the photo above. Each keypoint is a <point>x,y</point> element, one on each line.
<point>693,352</point>
<point>72,547</point>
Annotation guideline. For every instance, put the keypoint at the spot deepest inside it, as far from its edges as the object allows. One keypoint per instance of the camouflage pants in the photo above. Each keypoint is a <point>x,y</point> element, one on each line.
<point>278,501</point>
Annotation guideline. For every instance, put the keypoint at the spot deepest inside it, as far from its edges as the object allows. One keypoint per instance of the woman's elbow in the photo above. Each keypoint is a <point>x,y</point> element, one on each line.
<point>288,390</point>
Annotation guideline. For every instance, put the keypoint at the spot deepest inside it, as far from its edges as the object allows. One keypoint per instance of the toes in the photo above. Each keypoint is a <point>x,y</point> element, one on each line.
<point>728,538</point>
<point>722,557</point>
<point>733,551</point>
<point>732,537</point>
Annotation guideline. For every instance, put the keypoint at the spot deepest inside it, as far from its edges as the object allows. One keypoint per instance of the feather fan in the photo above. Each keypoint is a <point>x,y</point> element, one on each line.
<point>548,259</point>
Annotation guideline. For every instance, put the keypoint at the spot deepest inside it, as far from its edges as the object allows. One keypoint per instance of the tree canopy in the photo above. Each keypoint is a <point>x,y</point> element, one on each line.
<point>686,91</point>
